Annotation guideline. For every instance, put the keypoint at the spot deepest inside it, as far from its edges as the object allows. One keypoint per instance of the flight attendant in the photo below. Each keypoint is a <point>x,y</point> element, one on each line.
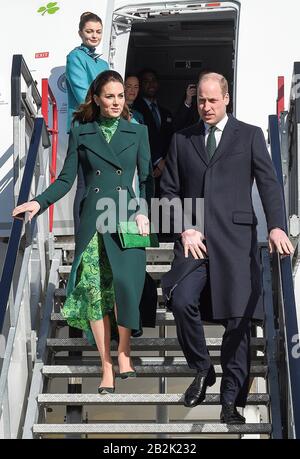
<point>83,66</point>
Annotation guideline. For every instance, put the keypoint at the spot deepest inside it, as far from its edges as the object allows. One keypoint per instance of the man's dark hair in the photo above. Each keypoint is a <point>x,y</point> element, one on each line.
<point>142,73</point>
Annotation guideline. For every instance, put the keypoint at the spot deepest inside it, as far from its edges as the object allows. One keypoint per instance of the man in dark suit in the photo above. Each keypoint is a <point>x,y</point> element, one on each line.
<point>216,275</point>
<point>187,113</point>
<point>158,120</point>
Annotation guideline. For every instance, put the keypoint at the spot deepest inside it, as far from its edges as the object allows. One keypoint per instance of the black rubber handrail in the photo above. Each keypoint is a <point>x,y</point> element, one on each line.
<point>287,286</point>
<point>39,135</point>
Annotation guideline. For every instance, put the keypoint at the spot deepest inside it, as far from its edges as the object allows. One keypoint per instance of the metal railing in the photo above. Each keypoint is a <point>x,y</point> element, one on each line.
<point>38,136</point>
<point>286,315</point>
<point>20,308</point>
<point>26,263</point>
<point>18,98</point>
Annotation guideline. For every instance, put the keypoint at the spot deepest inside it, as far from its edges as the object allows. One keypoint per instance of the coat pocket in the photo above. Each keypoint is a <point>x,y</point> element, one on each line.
<point>244,218</point>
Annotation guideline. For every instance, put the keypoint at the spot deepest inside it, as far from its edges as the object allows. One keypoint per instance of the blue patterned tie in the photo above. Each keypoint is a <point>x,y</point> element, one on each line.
<point>155,115</point>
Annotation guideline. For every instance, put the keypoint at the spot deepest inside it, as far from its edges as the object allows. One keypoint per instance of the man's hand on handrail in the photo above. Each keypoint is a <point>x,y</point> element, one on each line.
<point>278,241</point>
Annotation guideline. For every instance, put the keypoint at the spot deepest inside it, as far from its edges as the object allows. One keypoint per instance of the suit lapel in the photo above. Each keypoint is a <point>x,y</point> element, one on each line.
<point>124,137</point>
<point>91,136</point>
<point>198,140</point>
<point>227,140</point>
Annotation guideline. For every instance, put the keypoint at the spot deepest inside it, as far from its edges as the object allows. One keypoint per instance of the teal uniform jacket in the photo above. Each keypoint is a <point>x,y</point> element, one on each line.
<point>108,169</point>
<point>81,70</point>
<point>137,117</point>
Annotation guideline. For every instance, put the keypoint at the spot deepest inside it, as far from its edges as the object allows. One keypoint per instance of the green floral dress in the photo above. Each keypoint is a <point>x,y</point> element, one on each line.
<point>93,296</point>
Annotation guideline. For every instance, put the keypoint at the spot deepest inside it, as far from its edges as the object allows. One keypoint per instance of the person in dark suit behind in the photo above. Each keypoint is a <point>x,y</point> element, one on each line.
<point>158,120</point>
<point>187,113</point>
<point>218,273</point>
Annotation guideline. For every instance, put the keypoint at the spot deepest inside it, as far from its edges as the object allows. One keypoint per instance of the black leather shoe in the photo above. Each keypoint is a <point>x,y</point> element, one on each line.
<point>230,415</point>
<point>195,393</point>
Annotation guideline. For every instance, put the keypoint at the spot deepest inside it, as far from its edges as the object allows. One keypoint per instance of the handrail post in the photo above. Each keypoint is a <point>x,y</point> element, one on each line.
<point>280,96</point>
<point>47,95</point>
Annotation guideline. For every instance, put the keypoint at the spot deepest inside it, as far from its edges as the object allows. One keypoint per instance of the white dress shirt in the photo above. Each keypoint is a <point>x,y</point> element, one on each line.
<point>218,133</point>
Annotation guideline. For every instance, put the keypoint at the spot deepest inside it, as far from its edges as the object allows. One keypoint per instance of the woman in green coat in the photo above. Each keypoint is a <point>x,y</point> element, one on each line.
<point>106,281</point>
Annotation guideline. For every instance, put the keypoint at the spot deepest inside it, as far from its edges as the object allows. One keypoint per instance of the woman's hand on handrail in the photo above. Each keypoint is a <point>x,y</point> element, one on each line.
<point>31,206</point>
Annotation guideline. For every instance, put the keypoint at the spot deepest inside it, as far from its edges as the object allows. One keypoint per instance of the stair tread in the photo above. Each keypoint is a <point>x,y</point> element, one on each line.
<point>180,428</point>
<point>149,399</point>
<point>161,315</point>
<point>146,344</point>
<point>70,245</point>
<point>61,292</point>
<point>152,269</point>
<point>151,370</point>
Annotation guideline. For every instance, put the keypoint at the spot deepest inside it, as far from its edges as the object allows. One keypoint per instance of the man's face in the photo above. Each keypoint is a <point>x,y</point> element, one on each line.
<point>149,85</point>
<point>211,102</point>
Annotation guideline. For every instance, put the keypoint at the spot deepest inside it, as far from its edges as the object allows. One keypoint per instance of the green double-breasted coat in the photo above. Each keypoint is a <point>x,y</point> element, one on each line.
<point>108,169</point>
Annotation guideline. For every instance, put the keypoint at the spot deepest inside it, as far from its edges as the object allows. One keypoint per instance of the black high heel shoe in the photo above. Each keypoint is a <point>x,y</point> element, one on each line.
<point>128,374</point>
<point>108,390</point>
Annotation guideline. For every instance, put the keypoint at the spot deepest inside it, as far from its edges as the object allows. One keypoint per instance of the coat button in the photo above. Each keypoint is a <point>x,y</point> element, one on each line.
<point>98,172</point>
<point>118,188</point>
<point>96,190</point>
<point>118,172</point>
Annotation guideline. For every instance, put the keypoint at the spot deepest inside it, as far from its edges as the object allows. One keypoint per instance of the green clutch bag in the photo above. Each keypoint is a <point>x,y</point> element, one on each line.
<point>130,237</point>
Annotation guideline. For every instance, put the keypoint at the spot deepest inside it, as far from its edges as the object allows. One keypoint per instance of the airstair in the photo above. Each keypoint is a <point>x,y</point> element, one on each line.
<point>61,370</point>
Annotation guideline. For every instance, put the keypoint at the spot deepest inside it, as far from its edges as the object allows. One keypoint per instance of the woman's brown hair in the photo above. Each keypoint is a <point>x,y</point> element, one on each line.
<point>86,17</point>
<point>89,110</point>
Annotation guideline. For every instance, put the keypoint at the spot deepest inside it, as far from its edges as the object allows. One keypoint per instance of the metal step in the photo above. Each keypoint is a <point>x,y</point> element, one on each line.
<point>141,344</point>
<point>163,253</point>
<point>61,293</point>
<point>93,359</point>
<point>162,318</point>
<point>70,245</point>
<point>154,370</point>
<point>156,271</point>
<point>153,428</point>
<point>136,399</point>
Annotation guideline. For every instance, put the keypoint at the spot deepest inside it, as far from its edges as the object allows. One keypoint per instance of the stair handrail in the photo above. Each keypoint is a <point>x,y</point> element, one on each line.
<point>288,313</point>
<point>19,70</point>
<point>21,284</point>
